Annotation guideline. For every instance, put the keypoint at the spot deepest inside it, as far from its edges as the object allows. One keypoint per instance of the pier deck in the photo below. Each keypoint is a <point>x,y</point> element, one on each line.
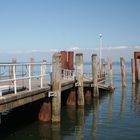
<point>25,83</point>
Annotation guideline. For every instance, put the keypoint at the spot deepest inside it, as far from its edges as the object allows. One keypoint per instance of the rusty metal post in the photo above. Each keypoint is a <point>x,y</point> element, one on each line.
<point>80,91</point>
<point>70,60</point>
<point>56,87</point>
<point>133,71</point>
<point>110,73</point>
<point>64,64</point>
<point>123,71</point>
<point>64,59</point>
<point>70,63</point>
<point>95,75</point>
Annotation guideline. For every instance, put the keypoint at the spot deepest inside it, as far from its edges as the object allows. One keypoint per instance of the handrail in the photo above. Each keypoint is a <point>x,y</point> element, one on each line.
<point>22,71</point>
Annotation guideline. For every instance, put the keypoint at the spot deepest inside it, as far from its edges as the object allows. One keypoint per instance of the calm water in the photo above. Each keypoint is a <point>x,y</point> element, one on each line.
<point>112,117</point>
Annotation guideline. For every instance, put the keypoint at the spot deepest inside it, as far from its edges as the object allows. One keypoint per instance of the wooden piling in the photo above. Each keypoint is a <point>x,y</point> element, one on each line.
<point>80,92</point>
<point>123,71</point>
<point>110,73</point>
<point>133,71</point>
<point>95,75</point>
<point>138,69</point>
<point>56,87</point>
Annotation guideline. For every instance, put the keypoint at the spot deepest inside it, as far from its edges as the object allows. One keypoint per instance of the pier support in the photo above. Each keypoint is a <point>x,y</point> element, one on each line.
<point>95,75</point>
<point>123,71</point>
<point>45,112</point>
<point>111,87</point>
<point>133,71</point>
<point>80,90</point>
<point>56,87</point>
<point>71,100</point>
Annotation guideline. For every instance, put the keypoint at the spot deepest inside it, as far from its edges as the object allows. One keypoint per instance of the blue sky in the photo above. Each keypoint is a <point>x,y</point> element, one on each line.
<point>27,25</point>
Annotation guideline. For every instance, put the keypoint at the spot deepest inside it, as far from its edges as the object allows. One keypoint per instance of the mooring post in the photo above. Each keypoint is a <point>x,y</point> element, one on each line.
<point>80,91</point>
<point>123,71</point>
<point>133,71</point>
<point>56,87</point>
<point>110,73</point>
<point>95,75</point>
<point>138,69</point>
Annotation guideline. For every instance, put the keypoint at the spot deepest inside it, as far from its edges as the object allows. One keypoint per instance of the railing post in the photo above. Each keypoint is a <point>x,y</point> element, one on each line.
<point>41,75</point>
<point>30,80</point>
<point>43,71</point>
<point>56,87</point>
<point>80,92</point>
<point>123,71</point>
<point>95,75</point>
<point>14,77</point>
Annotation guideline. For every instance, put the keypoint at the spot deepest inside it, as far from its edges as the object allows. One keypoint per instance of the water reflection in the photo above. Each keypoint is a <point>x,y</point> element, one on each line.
<point>80,123</point>
<point>110,107</point>
<point>123,101</point>
<point>95,117</point>
<point>45,131</point>
<point>135,97</point>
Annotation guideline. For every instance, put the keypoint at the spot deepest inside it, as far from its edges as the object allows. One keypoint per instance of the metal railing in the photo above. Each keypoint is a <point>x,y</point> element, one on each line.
<point>12,75</point>
<point>29,76</point>
<point>67,74</point>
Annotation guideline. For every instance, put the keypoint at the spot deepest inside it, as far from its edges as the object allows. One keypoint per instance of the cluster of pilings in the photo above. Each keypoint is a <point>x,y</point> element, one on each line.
<point>67,60</point>
<point>62,60</point>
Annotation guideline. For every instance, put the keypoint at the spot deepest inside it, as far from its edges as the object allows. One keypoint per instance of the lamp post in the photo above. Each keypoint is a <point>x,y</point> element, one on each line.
<point>100,53</point>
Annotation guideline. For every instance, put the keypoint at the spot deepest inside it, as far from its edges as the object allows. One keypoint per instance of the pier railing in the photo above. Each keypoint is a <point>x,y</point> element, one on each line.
<point>67,74</point>
<point>28,76</point>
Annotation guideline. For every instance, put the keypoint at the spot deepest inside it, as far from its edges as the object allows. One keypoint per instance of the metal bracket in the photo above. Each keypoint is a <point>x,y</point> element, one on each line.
<point>52,93</point>
<point>77,84</point>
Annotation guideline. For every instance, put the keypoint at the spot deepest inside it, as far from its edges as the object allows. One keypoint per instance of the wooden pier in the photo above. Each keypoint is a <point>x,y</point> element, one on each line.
<point>20,85</point>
